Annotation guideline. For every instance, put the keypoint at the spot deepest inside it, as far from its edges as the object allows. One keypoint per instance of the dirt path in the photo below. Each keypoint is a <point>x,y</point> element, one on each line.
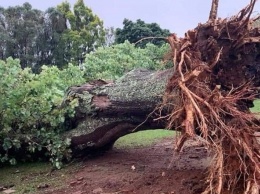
<point>154,169</point>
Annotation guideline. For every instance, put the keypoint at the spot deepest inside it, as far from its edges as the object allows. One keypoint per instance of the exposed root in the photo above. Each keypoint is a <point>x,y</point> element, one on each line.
<point>214,10</point>
<point>216,79</point>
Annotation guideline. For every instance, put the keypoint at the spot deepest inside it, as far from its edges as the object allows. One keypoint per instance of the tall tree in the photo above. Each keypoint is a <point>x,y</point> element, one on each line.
<point>135,31</point>
<point>49,49</point>
<point>20,26</point>
<point>32,36</point>
<point>4,37</point>
<point>84,34</point>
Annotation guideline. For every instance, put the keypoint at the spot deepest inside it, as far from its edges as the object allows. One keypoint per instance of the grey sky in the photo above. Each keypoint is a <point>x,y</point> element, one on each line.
<point>176,15</point>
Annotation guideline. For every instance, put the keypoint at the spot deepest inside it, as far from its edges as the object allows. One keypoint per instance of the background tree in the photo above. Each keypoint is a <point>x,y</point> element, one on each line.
<point>135,31</point>
<point>49,47</point>
<point>20,26</point>
<point>4,37</point>
<point>84,34</point>
<point>56,37</point>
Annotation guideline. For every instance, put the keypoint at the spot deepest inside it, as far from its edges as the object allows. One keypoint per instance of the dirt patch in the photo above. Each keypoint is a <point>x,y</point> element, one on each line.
<point>154,169</point>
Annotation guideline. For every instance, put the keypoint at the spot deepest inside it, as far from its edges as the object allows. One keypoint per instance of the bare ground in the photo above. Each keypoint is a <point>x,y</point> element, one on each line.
<point>154,169</point>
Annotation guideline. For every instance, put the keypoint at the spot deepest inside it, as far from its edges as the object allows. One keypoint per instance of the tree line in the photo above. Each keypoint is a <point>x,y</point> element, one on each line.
<point>58,36</point>
<point>63,34</point>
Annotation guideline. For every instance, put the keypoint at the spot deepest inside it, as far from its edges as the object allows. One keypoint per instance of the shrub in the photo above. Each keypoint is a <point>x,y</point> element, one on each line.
<point>112,62</point>
<point>31,117</point>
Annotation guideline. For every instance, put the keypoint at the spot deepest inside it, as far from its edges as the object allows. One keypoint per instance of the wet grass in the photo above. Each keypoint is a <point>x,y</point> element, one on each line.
<point>256,108</point>
<point>143,138</point>
<point>33,177</point>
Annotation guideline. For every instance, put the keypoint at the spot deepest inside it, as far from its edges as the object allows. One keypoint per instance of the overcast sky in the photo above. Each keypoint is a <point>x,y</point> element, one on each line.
<point>176,15</point>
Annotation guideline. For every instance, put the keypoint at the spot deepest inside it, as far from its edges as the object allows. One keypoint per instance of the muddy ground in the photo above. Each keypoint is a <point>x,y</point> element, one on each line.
<point>155,169</point>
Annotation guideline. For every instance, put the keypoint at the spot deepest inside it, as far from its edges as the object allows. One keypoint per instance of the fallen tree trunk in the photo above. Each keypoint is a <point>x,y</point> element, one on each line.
<point>108,111</point>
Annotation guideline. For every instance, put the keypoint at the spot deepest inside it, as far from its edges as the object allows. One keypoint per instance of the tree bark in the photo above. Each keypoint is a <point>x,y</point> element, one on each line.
<point>108,111</point>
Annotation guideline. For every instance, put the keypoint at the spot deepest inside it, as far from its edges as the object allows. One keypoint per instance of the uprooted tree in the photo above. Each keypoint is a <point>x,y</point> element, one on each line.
<point>209,92</point>
<point>216,78</point>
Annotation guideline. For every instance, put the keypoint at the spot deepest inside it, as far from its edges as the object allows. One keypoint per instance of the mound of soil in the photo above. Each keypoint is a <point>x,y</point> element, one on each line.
<point>154,169</point>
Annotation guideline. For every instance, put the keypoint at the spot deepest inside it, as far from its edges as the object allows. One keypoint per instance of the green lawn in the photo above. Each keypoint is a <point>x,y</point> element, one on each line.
<point>256,108</point>
<point>142,138</point>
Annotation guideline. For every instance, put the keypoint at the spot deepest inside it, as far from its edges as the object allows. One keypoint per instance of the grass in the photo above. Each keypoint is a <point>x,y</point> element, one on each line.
<point>25,178</point>
<point>256,108</point>
<point>142,138</point>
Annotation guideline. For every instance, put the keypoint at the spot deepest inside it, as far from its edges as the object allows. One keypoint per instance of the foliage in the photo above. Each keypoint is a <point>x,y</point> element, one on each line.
<point>49,40</point>
<point>112,62</point>
<point>85,34</point>
<point>135,31</point>
<point>31,117</point>
<point>19,26</point>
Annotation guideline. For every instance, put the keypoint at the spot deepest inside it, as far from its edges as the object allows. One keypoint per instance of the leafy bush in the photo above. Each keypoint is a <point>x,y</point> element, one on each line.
<point>30,114</point>
<point>112,62</point>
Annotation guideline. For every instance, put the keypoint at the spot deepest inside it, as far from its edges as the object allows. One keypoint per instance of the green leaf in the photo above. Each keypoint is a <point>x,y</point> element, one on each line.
<point>4,158</point>
<point>7,144</point>
<point>67,141</point>
<point>13,161</point>
<point>16,143</point>
<point>58,164</point>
